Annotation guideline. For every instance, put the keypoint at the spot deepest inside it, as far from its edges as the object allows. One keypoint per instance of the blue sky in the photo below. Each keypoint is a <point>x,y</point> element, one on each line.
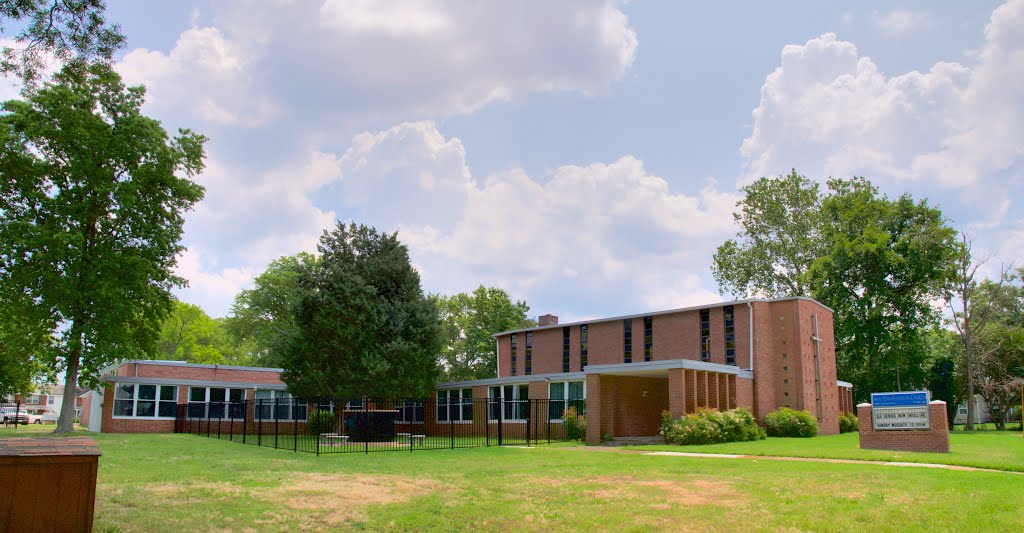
<point>583,155</point>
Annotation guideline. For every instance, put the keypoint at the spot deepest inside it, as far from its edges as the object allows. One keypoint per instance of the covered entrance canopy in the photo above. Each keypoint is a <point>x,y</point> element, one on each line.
<point>626,400</point>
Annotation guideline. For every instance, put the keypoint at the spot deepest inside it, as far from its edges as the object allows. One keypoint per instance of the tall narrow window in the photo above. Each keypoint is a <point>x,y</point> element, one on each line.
<point>627,340</point>
<point>583,346</point>
<point>705,335</point>
<point>648,337</point>
<point>730,337</point>
<point>529,353</point>
<point>515,339</point>
<point>565,349</point>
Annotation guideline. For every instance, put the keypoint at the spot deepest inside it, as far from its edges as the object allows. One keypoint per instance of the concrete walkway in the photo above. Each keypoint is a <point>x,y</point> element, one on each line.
<point>756,458</point>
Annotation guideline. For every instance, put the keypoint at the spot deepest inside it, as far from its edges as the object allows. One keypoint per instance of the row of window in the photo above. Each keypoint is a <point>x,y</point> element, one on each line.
<point>627,341</point>
<point>510,402</point>
<point>161,401</point>
<point>135,400</point>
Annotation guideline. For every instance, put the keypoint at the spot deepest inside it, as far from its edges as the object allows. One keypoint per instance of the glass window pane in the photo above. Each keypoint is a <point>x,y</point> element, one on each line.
<point>263,394</point>
<point>299,411</point>
<point>168,409</point>
<point>467,409</point>
<point>216,410</point>
<point>467,394</point>
<point>576,390</point>
<point>237,395</point>
<point>147,392</point>
<point>557,391</point>
<point>169,393</point>
<point>124,392</point>
<point>145,407</point>
<point>197,410</point>
<point>217,394</point>
<point>123,407</point>
<point>197,394</point>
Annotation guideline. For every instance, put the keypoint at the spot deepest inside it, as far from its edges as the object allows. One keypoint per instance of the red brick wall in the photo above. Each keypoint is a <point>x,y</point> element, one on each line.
<point>935,440</point>
<point>545,341</point>
<point>604,346</point>
<point>206,374</point>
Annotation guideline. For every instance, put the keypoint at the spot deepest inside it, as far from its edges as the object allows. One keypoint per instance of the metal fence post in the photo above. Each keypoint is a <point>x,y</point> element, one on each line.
<point>501,418</point>
<point>259,422</point>
<point>245,418</point>
<point>295,424</point>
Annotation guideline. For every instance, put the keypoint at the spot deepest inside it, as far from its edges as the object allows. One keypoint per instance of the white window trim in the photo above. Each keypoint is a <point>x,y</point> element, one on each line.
<point>515,394</point>
<point>206,402</point>
<point>448,406</point>
<point>565,384</point>
<point>274,396</point>
<point>411,404</point>
<point>135,402</point>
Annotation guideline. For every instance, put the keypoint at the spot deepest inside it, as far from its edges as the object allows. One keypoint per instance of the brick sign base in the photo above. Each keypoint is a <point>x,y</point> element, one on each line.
<point>934,440</point>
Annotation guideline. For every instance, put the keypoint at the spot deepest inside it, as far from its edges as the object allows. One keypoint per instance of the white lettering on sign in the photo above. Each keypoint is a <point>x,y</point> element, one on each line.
<point>884,418</point>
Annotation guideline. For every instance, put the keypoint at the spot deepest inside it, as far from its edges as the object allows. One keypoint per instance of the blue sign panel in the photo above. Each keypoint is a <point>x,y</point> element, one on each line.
<point>899,399</point>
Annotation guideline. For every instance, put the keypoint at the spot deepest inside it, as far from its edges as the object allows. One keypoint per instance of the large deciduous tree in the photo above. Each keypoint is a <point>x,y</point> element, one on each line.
<point>971,302</point>
<point>778,240</point>
<point>469,320</point>
<point>64,29</point>
<point>263,315</point>
<point>189,334</point>
<point>886,261</point>
<point>363,324</point>
<point>92,197</point>
<point>879,263</point>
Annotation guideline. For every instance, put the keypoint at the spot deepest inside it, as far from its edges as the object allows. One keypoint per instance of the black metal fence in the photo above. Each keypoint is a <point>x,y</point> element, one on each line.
<point>13,414</point>
<point>343,425</point>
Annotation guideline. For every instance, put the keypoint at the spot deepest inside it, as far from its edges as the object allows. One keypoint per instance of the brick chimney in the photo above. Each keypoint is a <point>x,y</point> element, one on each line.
<point>547,320</point>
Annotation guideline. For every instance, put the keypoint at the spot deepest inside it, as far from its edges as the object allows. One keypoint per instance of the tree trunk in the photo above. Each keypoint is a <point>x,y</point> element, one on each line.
<point>66,421</point>
<point>970,379</point>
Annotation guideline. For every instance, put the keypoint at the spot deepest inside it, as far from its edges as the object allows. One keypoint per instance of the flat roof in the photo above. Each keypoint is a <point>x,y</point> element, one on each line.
<point>667,311</point>
<point>183,364</point>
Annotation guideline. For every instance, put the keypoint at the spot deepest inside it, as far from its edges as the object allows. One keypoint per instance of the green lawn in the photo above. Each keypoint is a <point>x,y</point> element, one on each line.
<point>1003,450</point>
<point>186,483</point>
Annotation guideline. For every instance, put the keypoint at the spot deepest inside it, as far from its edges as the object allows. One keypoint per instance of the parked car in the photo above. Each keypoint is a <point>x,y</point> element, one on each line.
<point>11,416</point>
<point>50,417</point>
<point>35,418</point>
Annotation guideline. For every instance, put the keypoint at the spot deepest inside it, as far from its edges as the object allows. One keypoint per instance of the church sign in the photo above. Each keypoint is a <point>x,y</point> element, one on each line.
<point>900,410</point>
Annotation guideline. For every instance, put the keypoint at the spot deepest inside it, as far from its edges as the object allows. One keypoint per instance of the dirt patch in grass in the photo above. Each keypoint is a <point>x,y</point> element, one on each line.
<point>333,499</point>
<point>686,491</point>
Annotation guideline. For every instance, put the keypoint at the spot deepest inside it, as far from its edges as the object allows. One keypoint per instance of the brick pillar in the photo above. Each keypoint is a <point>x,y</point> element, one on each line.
<point>723,392</point>
<point>731,380</point>
<point>702,388</point>
<point>690,377</point>
<point>676,392</point>
<point>593,409</point>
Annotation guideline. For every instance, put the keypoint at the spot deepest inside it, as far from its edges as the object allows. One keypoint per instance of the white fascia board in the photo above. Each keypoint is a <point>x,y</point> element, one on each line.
<point>668,365</point>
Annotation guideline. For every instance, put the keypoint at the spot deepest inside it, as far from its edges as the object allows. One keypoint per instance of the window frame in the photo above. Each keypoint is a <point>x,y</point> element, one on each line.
<point>135,402</point>
<point>648,338</point>
<point>227,403</point>
<point>513,406</point>
<point>729,329</point>
<point>566,347</point>
<point>278,394</point>
<point>462,400</point>
<point>705,335</point>
<point>514,339</point>
<point>566,387</point>
<point>584,342</point>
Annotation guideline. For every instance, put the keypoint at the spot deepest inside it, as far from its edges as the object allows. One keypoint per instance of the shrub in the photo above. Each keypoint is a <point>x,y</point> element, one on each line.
<point>786,422</point>
<point>575,424</point>
<point>320,422</point>
<point>848,423</point>
<point>708,426</point>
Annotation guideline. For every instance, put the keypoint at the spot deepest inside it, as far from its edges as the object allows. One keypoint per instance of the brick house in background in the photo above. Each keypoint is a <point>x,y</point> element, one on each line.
<point>759,354</point>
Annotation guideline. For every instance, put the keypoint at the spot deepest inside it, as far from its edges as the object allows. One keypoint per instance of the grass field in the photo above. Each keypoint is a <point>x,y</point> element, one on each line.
<point>1003,450</point>
<point>189,483</point>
